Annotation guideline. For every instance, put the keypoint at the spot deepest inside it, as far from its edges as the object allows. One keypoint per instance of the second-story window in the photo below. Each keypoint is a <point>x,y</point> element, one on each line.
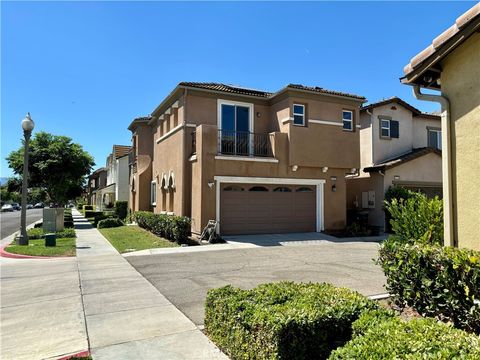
<point>389,128</point>
<point>347,116</point>
<point>299,114</point>
<point>434,138</point>
<point>385,128</point>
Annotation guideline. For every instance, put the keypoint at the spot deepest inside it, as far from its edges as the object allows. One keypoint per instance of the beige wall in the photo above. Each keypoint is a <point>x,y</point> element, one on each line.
<point>372,182</point>
<point>460,80</point>
<point>420,133</point>
<point>365,133</point>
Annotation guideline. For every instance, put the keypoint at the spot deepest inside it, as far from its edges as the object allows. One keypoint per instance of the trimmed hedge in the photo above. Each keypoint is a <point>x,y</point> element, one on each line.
<point>92,213</point>
<point>38,233</point>
<point>442,282</point>
<point>282,320</point>
<point>392,338</point>
<point>121,209</point>
<point>109,223</point>
<point>173,228</point>
<point>87,207</point>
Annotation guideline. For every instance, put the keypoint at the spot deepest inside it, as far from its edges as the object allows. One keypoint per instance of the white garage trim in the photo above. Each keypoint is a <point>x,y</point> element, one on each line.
<point>282,181</point>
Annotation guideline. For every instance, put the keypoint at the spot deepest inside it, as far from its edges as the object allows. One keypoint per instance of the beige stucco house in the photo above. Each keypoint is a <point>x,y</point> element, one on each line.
<point>96,181</point>
<point>399,145</point>
<point>255,161</point>
<point>451,64</point>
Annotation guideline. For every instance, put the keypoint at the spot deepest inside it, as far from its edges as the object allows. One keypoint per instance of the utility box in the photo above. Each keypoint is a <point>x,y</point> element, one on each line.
<point>53,219</point>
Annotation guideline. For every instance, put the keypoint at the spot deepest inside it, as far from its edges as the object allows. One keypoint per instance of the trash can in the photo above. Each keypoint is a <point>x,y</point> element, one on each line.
<point>50,240</point>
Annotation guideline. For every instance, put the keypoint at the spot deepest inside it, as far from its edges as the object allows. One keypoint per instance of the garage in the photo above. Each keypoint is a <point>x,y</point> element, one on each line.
<point>256,208</point>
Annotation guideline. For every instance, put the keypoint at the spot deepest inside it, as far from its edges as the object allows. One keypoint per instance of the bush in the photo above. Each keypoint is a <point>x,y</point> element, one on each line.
<point>109,223</point>
<point>282,320</point>
<point>66,233</point>
<point>38,225</point>
<point>417,218</point>
<point>68,224</point>
<point>35,233</point>
<point>435,280</point>
<point>415,339</point>
<point>38,233</point>
<point>87,207</point>
<point>92,214</point>
<point>121,209</point>
<point>370,319</point>
<point>173,228</point>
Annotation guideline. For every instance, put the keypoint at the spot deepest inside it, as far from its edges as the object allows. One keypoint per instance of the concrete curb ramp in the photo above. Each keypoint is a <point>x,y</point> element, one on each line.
<point>126,316</point>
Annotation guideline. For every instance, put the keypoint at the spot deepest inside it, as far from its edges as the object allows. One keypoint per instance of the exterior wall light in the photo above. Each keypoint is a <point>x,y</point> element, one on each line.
<point>294,167</point>
<point>396,177</point>
<point>211,185</point>
<point>325,169</point>
<point>334,188</point>
<point>333,178</point>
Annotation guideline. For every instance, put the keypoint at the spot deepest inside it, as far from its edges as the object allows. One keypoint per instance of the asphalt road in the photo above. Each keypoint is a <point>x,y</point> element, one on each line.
<point>10,221</point>
<point>184,278</point>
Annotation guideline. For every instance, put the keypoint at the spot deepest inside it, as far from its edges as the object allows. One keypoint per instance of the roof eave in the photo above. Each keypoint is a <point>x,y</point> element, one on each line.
<point>359,100</point>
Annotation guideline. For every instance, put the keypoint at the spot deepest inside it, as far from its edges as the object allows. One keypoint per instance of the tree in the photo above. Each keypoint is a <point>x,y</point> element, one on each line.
<point>56,165</point>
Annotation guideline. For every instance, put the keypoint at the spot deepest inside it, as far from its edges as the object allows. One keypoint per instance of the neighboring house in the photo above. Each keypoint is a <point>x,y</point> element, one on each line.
<point>96,180</point>
<point>116,187</point>
<point>451,64</point>
<point>258,162</point>
<point>399,145</point>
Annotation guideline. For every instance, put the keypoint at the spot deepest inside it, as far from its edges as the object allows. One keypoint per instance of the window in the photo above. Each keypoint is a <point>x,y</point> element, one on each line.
<point>258,188</point>
<point>385,128</point>
<point>434,138</point>
<point>282,189</point>
<point>153,193</point>
<point>233,188</point>
<point>304,189</point>
<point>298,114</point>
<point>347,120</point>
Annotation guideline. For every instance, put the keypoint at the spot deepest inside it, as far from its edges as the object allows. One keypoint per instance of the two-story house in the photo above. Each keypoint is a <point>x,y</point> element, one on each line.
<point>116,186</point>
<point>96,180</point>
<point>399,145</point>
<point>255,161</point>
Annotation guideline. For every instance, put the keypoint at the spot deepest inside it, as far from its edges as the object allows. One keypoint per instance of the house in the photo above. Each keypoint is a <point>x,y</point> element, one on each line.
<point>96,180</point>
<point>255,161</point>
<point>399,145</point>
<point>116,187</point>
<point>451,65</point>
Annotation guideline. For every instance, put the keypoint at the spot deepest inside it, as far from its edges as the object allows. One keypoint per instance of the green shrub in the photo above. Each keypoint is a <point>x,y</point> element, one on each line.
<point>68,224</point>
<point>35,233</point>
<point>282,320</point>
<point>38,233</point>
<point>92,214</point>
<point>417,218</point>
<point>121,209</point>
<point>174,228</point>
<point>435,280</point>
<point>88,207</point>
<point>415,339</point>
<point>66,233</point>
<point>109,223</point>
<point>38,225</point>
<point>369,319</point>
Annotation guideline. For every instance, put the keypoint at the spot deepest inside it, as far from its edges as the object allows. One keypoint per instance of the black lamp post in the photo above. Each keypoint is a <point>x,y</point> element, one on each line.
<point>27,126</point>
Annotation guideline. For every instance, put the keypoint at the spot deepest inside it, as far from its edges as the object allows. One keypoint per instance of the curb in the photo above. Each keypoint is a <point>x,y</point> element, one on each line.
<point>80,354</point>
<point>6,254</point>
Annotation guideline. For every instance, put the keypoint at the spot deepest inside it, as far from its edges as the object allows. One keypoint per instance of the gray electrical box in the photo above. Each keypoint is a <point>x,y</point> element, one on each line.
<point>53,219</point>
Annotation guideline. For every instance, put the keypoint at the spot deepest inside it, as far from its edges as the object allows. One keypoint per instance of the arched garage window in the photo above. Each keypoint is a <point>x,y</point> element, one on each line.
<point>304,189</point>
<point>233,188</point>
<point>282,189</point>
<point>258,188</point>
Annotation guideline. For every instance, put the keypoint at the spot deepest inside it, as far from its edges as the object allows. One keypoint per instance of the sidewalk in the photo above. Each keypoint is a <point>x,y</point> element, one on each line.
<point>126,316</point>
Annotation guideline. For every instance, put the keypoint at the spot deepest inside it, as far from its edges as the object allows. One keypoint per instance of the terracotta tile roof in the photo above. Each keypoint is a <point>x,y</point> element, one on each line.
<point>141,119</point>
<point>464,26</point>
<point>397,100</point>
<point>120,150</point>
<point>402,159</point>
<point>264,94</point>
<point>96,172</point>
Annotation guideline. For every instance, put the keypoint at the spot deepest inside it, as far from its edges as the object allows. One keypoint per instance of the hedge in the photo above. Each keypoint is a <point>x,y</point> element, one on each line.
<point>282,320</point>
<point>442,282</point>
<point>87,207</point>
<point>121,209</point>
<point>92,213</point>
<point>109,223</point>
<point>38,233</point>
<point>392,338</point>
<point>174,228</point>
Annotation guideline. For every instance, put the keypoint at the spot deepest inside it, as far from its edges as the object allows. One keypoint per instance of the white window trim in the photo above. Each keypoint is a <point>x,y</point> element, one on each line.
<point>382,128</point>
<point>153,203</point>
<point>296,114</point>
<point>319,184</point>
<point>348,120</point>
<point>245,158</point>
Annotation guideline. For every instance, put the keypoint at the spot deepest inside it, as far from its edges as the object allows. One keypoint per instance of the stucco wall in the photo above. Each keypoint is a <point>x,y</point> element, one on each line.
<point>122,189</point>
<point>366,151</point>
<point>420,132</point>
<point>460,81</point>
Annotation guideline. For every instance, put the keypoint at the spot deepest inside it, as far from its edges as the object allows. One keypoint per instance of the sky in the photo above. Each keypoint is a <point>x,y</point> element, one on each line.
<point>86,69</point>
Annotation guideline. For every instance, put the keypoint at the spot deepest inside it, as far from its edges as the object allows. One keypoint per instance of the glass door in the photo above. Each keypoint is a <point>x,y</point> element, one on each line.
<point>235,130</point>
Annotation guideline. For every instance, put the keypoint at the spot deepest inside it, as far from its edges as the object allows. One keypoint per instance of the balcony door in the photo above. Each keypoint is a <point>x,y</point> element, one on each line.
<point>235,129</point>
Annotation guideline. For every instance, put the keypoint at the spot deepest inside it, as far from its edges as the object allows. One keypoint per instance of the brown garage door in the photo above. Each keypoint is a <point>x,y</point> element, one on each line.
<point>257,209</point>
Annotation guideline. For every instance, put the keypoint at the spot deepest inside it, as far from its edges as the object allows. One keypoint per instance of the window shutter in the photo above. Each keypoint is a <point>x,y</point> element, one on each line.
<point>394,130</point>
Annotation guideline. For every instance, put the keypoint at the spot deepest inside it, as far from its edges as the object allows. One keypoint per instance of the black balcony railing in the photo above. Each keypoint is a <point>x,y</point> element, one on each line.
<point>242,143</point>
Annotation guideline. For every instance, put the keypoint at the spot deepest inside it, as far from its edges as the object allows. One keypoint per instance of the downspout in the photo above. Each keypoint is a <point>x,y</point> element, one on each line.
<point>448,224</point>
<point>184,154</point>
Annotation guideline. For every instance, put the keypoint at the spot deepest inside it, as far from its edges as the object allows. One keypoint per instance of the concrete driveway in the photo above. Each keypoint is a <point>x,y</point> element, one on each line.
<point>185,277</point>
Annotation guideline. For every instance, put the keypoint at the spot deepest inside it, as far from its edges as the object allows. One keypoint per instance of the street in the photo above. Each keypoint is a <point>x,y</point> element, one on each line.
<point>10,221</point>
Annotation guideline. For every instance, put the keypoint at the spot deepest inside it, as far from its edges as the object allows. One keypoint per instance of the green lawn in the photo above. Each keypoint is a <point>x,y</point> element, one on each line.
<point>65,247</point>
<point>133,238</point>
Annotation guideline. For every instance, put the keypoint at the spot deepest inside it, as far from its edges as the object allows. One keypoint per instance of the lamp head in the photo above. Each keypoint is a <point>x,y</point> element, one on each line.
<point>27,123</point>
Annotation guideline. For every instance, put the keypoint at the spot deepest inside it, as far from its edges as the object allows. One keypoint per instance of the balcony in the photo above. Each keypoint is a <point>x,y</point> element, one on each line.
<point>242,143</point>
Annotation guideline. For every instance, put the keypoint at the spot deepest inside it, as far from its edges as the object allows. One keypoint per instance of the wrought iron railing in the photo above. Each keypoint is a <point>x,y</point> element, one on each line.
<point>243,143</point>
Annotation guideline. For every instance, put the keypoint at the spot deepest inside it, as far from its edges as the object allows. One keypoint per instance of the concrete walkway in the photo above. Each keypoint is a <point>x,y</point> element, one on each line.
<point>126,316</point>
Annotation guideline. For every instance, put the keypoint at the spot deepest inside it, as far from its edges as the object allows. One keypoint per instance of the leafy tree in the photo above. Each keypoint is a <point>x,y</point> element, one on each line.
<point>56,164</point>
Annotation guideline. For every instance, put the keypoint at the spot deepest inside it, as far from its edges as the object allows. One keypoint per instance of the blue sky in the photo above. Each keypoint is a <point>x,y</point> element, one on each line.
<point>86,69</point>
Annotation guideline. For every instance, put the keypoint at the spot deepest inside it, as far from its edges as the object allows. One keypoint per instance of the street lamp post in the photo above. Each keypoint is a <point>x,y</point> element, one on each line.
<point>27,126</point>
